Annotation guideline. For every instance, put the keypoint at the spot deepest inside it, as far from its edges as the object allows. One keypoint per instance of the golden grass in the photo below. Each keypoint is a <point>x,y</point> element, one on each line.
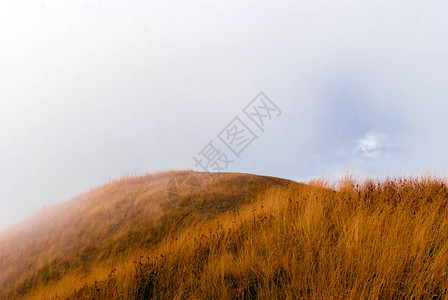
<point>274,240</point>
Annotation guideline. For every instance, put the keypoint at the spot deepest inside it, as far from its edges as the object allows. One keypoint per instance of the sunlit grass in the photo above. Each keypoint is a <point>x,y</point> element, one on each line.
<point>274,240</point>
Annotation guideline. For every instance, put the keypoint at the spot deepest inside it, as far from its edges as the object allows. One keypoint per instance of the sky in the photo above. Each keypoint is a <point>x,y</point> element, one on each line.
<point>92,91</point>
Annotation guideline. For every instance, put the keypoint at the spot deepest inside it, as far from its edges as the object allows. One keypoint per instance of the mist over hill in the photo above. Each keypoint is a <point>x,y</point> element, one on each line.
<point>112,220</point>
<point>184,234</point>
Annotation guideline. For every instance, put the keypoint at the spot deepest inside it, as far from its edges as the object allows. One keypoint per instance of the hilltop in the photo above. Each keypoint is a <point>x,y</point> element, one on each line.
<point>191,235</point>
<point>106,226</point>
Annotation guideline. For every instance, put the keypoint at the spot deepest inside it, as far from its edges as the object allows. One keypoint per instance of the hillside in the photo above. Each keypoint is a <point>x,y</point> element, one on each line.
<point>233,236</point>
<point>108,225</point>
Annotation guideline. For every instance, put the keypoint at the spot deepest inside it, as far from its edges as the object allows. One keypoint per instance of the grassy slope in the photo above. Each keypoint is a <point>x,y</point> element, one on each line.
<point>84,239</point>
<point>245,237</point>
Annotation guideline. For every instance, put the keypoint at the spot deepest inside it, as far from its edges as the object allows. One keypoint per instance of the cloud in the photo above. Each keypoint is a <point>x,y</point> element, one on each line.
<point>370,145</point>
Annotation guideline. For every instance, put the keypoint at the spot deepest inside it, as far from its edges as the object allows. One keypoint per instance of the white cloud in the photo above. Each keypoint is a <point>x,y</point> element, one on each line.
<point>370,145</point>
